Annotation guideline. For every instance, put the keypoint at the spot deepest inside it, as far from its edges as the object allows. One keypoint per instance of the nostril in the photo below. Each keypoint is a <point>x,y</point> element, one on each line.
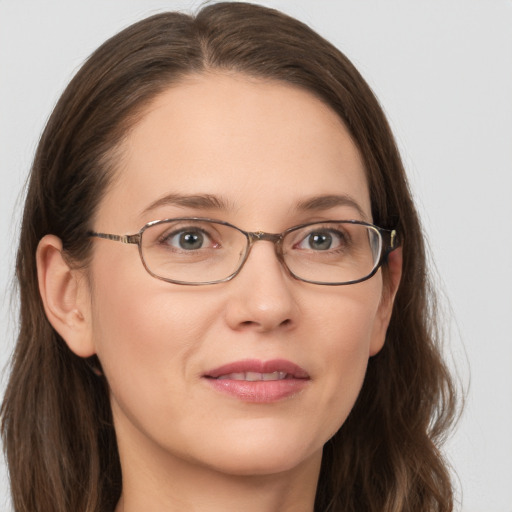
<point>250,324</point>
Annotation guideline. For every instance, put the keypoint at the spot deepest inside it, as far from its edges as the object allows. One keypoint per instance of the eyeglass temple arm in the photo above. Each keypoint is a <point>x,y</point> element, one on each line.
<point>125,239</point>
<point>392,241</point>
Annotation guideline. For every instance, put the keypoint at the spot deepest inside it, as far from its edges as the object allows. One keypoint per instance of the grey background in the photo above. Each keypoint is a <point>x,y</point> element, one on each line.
<point>443,72</point>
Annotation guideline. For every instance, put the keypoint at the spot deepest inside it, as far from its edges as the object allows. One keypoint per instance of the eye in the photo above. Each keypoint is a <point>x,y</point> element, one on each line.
<point>321,240</point>
<point>188,239</point>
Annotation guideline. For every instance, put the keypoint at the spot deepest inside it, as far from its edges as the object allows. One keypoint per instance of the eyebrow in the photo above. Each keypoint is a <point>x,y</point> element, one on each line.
<point>326,202</point>
<point>196,201</point>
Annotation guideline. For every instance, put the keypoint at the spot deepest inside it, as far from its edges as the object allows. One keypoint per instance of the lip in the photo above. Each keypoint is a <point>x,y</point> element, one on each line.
<point>260,391</point>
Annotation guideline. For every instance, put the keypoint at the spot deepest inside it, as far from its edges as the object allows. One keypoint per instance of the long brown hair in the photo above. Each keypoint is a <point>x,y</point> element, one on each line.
<point>56,417</point>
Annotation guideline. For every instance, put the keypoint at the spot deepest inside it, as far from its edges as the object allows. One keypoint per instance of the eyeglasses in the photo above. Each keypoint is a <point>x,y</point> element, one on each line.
<point>197,251</point>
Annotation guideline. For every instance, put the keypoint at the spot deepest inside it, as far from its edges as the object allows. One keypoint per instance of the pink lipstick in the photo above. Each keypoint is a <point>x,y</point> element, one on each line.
<point>252,380</point>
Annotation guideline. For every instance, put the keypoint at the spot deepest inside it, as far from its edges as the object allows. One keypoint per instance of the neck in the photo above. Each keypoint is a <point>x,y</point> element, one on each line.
<point>219,495</point>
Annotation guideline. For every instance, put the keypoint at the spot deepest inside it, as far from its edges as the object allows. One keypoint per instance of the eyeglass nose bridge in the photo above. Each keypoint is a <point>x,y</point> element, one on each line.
<point>268,237</point>
<point>257,236</point>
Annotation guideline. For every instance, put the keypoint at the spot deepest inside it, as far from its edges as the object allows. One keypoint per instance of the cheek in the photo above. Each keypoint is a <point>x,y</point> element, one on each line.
<point>347,317</point>
<point>144,332</point>
<point>133,313</point>
<point>345,329</point>
<point>144,328</point>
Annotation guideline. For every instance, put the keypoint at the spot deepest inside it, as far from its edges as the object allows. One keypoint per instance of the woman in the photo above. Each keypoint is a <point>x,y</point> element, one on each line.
<point>271,344</point>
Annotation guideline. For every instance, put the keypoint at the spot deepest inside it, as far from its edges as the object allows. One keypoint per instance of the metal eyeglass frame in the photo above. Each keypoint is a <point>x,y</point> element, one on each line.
<point>390,241</point>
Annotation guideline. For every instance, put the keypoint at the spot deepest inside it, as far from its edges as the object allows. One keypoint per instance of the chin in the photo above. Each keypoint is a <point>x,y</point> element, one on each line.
<point>252,455</point>
<point>265,463</point>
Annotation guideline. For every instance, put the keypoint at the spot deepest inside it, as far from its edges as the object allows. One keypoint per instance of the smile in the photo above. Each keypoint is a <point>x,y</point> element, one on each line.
<point>258,381</point>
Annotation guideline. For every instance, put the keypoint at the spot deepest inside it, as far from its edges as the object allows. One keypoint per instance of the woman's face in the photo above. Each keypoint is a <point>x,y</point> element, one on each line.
<point>267,153</point>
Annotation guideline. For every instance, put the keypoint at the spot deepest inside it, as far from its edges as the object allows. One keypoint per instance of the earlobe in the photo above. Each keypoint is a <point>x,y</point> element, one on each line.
<point>391,283</point>
<point>64,297</point>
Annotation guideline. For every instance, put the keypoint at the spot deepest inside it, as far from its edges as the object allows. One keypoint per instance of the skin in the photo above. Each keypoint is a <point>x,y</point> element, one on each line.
<point>263,147</point>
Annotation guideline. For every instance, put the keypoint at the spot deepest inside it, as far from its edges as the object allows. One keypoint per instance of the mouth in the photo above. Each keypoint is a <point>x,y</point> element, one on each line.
<point>258,381</point>
<point>255,376</point>
<point>256,370</point>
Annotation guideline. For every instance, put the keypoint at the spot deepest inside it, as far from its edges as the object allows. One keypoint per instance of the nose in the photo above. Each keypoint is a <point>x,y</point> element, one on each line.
<point>262,296</point>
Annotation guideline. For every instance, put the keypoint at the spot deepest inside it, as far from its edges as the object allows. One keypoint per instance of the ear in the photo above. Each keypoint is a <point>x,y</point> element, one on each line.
<point>391,283</point>
<point>65,296</point>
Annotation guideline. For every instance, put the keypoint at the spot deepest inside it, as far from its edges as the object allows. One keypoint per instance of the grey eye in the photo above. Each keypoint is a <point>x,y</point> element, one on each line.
<point>190,240</point>
<point>320,241</point>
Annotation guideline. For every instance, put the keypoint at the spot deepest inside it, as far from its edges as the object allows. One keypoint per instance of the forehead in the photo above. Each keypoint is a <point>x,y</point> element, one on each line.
<point>257,143</point>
